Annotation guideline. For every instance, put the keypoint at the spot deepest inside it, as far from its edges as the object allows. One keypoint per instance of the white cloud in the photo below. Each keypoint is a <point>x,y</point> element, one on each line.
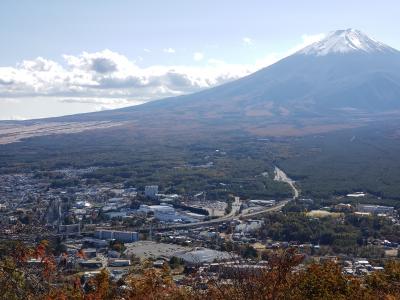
<point>247,41</point>
<point>107,79</point>
<point>108,75</point>
<point>102,103</point>
<point>169,50</point>
<point>197,56</point>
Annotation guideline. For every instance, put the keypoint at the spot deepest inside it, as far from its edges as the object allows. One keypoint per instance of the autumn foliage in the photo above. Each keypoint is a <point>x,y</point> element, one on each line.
<point>285,277</point>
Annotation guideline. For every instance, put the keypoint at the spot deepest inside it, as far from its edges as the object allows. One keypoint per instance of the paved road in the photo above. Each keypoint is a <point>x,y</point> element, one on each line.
<point>234,214</point>
<point>236,204</point>
<point>226,218</point>
<point>281,176</point>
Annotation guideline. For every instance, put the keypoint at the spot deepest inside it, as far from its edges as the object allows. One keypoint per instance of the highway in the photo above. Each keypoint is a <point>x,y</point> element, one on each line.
<point>280,175</point>
<point>227,218</point>
<point>234,214</point>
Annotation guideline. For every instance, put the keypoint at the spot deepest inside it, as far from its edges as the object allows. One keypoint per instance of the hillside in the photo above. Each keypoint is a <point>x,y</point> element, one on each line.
<point>299,113</point>
<point>340,82</point>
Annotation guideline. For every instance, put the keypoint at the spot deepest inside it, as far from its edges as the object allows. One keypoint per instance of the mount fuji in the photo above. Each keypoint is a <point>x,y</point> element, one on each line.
<point>346,41</point>
<point>346,75</point>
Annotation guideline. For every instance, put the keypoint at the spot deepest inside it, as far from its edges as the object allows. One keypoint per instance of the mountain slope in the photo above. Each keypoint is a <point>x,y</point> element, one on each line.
<point>345,74</point>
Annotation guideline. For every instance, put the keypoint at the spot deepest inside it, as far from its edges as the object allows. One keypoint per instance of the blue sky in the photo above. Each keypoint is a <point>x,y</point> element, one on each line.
<point>160,48</point>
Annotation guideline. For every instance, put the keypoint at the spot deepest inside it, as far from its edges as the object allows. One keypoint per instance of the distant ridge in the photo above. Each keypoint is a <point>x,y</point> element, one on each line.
<point>343,78</point>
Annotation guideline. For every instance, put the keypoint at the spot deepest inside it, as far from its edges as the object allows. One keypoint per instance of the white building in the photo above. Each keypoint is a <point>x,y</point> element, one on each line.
<point>119,263</point>
<point>262,202</point>
<point>249,226</point>
<point>122,236</point>
<point>202,255</point>
<point>161,212</point>
<point>375,209</point>
<point>151,191</point>
<point>356,195</point>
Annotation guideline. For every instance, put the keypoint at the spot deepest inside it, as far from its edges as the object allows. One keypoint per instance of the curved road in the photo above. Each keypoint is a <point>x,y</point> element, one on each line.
<point>226,218</point>
<point>281,176</point>
<point>234,214</point>
<point>230,217</point>
<point>223,219</point>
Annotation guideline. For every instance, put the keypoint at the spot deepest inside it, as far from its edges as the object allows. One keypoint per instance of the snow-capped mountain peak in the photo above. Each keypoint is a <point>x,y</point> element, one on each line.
<point>345,41</point>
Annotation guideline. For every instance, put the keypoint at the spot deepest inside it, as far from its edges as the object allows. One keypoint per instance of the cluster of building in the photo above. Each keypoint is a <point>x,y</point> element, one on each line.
<point>117,235</point>
<point>375,209</point>
<point>167,213</point>
<point>96,222</point>
<point>359,267</point>
<point>36,200</point>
